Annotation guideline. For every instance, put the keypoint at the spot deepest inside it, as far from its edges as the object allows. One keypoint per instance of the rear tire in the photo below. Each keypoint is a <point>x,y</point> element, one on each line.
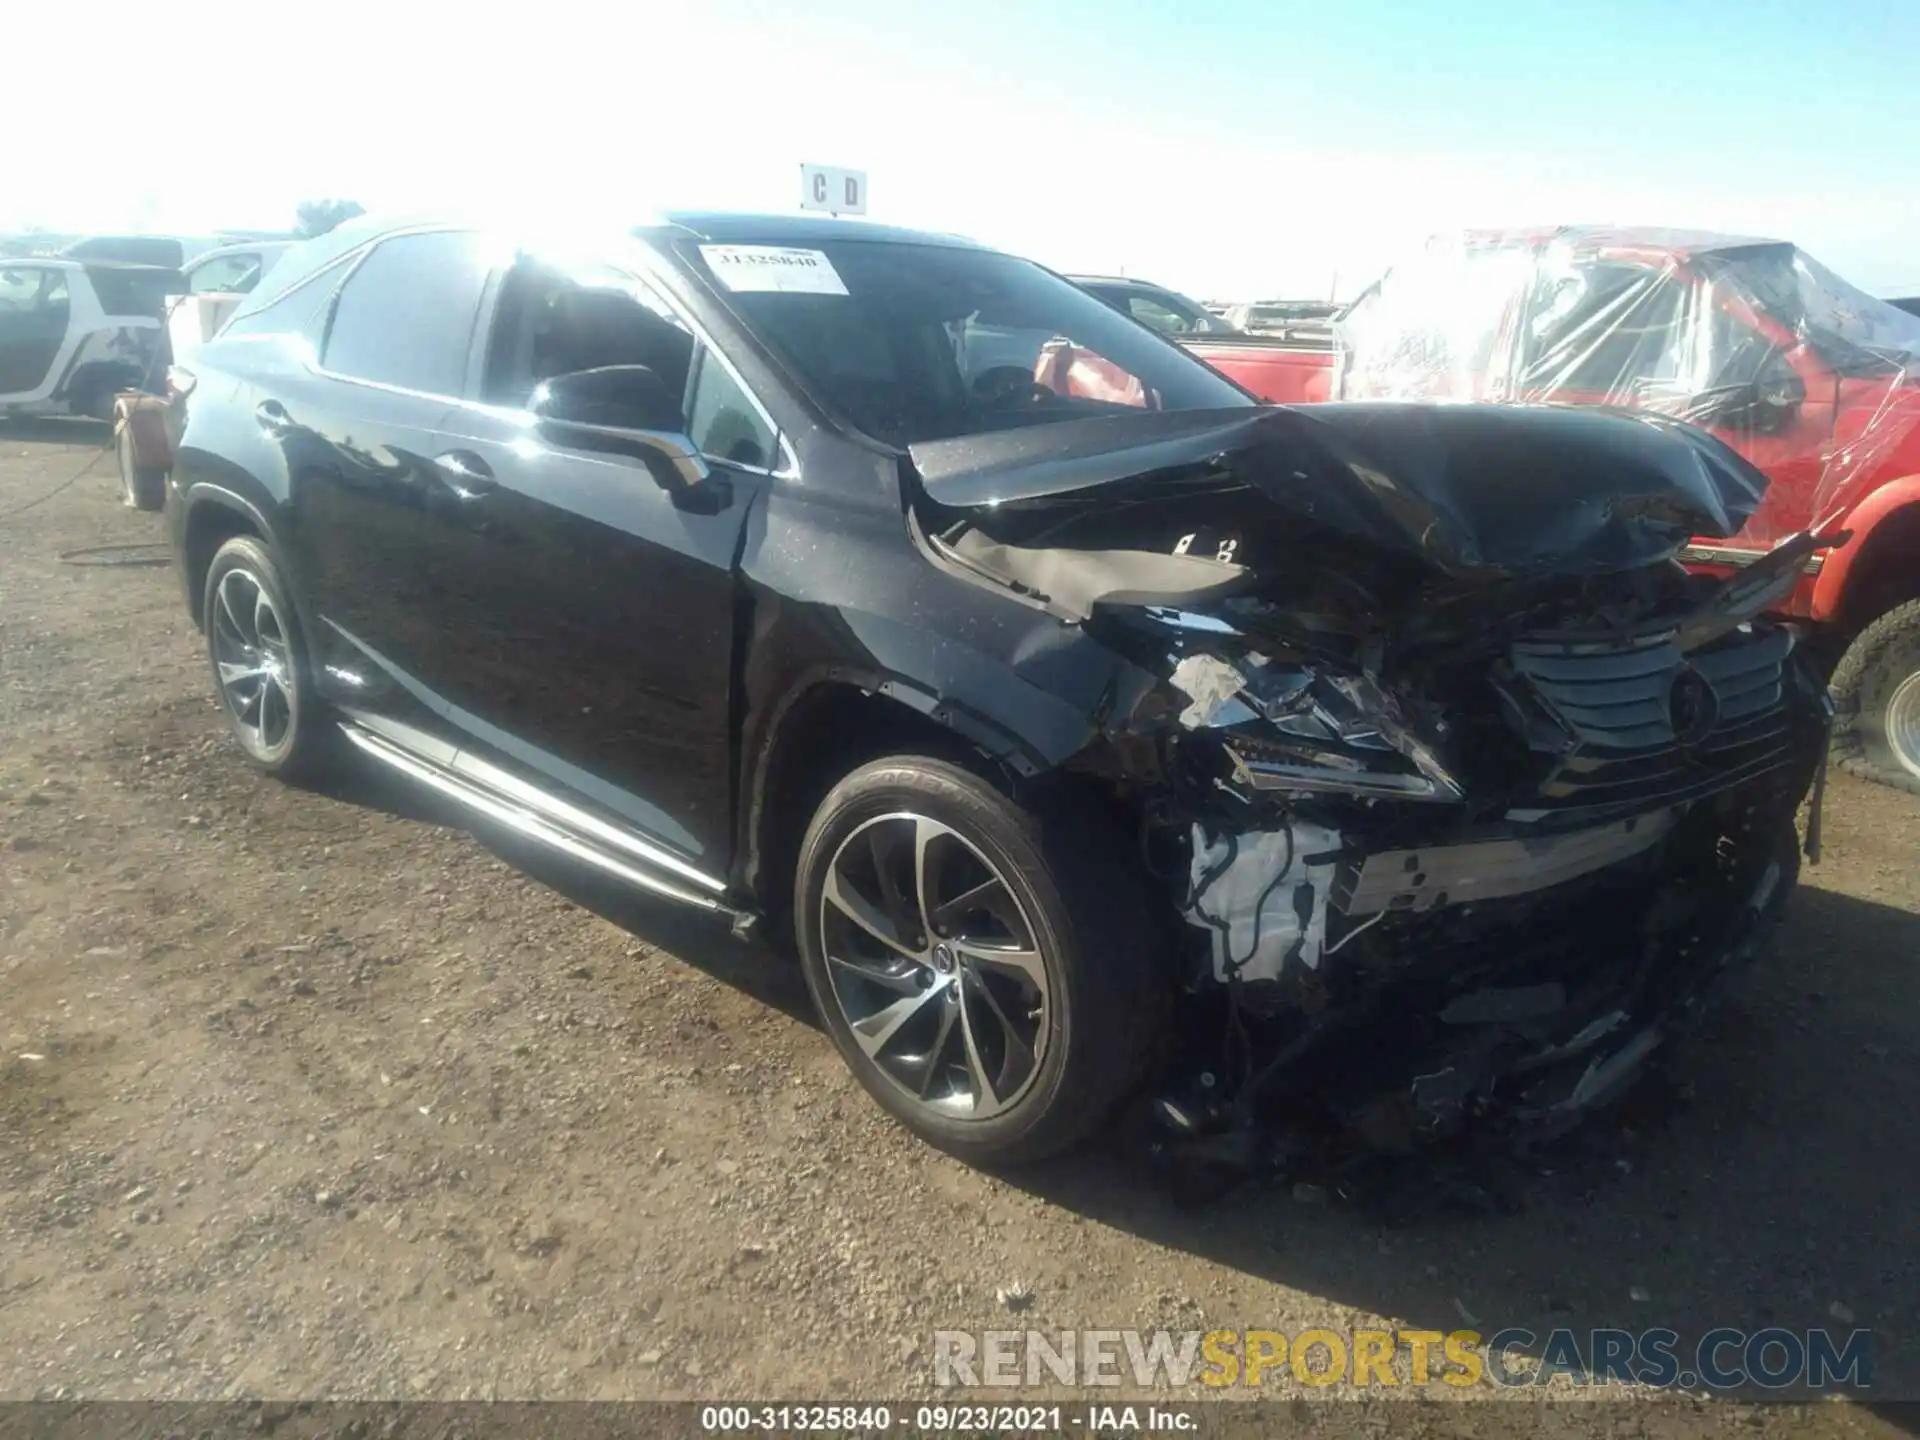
<point>1876,697</point>
<point>260,667</point>
<point>1021,1003</point>
<point>143,487</point>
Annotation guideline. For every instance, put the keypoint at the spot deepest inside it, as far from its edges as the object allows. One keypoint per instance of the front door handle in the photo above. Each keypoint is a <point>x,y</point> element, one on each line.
<point>466,474</point>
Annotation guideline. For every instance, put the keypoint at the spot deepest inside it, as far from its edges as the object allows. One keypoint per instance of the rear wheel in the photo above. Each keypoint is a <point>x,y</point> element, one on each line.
<point>1876,696</point>
<point>260,666</point>
<point>984,968</point>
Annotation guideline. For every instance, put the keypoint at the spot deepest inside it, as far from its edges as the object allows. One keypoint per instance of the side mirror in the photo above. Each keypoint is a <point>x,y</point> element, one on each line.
<point>620,397</point>
<point>621,408</point>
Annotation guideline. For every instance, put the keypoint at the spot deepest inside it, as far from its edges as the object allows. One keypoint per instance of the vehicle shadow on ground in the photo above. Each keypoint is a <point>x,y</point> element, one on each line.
<point>1769,1181</point>
<point>55,430</point>
<point>1773,1185</point>
<point>755,966</point>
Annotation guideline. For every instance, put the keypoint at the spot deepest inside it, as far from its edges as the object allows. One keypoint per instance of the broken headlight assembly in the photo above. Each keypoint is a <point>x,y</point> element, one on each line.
<point>1309,727</point>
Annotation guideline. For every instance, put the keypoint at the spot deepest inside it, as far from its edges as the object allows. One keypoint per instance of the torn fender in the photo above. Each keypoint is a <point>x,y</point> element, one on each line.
<point>1472,491</point>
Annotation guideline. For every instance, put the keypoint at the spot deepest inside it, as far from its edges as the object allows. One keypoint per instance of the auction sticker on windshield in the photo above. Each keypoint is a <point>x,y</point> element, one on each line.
<point>747,269</point>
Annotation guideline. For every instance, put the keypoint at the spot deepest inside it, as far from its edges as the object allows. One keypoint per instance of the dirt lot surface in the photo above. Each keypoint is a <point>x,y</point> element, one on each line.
<point>330,1095</point>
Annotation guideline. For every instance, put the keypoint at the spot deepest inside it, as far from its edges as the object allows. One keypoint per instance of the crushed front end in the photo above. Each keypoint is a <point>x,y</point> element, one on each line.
<point>1482,875</point>
<point>1463,790</point>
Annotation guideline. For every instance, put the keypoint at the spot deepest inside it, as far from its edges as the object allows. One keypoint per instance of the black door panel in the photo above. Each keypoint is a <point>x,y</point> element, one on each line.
<point>359,473</point>
<point>589,624</point>
<point>361,435</point>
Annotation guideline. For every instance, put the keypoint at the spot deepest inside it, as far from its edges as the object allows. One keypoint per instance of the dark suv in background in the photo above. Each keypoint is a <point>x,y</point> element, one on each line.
<point>1380,759</point>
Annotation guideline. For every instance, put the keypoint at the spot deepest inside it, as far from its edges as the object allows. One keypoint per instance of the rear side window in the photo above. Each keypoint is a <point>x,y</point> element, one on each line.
<point>405,315</point>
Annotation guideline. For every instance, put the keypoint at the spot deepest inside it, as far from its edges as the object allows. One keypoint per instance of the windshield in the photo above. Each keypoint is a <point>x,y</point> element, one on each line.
<point>928,342</point>
<point>1849,329</point>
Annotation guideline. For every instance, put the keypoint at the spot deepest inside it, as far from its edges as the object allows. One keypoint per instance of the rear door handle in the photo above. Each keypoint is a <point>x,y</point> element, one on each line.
<point>466,474</point>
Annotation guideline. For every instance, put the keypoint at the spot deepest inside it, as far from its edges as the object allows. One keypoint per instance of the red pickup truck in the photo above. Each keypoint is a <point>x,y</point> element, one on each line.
<point>1814,381</point>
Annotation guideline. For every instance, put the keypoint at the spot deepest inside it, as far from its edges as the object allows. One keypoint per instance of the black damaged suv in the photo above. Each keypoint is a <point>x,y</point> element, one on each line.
<point>1083,718</point>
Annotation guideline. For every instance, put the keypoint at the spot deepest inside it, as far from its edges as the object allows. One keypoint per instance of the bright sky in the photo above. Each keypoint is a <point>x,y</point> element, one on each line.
<point>1235,149</point>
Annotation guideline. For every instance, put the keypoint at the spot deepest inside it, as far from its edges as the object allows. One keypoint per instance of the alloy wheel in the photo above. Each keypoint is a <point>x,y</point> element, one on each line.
<point>935,966</point>
<point>1903,723</point>
<point>254,661</point>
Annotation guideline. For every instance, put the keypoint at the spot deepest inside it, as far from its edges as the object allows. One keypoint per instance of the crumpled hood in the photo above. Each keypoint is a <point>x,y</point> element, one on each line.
<point>1474,491</point>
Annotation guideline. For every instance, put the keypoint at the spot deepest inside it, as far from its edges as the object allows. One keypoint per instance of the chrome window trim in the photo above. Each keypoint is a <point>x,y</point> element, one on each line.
<point>645,272</point>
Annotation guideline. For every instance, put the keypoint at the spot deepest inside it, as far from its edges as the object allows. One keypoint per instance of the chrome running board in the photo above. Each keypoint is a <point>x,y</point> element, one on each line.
<point>529,812</point>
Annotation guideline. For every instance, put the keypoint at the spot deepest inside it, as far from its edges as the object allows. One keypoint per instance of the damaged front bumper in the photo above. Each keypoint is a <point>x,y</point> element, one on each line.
<point>1530,996</point>
<point>1511,1061</point>
<point>1404,939</point>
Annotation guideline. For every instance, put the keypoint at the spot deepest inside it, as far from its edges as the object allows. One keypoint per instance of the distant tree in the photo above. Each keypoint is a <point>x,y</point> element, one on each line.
<point>317,217</point>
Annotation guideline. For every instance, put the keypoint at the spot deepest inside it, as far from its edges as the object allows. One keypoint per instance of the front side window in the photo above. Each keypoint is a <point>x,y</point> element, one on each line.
<point>405,315</point>
<point>924,342</point>
<point>722,419</point>
<point>554,320</point>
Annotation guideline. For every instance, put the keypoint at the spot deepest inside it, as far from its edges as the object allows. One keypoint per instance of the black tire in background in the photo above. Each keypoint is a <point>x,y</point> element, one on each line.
<point>1876,698</point>
<point>259,663</point>
<point>1071,884</point>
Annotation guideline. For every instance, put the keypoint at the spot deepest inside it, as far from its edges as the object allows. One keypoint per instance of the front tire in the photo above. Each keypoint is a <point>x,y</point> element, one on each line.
<point>985,969</point>
<point>1876,696</point>
<point>259,664</point>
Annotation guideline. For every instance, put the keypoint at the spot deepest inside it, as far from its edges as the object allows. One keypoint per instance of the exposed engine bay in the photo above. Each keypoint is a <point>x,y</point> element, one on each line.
<point>1462,791</point>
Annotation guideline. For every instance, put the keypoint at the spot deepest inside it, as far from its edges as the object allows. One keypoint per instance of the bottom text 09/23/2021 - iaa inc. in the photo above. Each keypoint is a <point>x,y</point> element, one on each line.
<point>1362,770</point>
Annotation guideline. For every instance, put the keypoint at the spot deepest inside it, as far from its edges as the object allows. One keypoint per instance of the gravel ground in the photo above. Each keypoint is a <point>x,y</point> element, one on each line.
<point>330,1095</point>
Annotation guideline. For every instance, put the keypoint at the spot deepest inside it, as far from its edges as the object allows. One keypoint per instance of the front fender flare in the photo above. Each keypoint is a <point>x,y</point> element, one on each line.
<point>1829,590</point>
<point>195,500</point>
<point>1028,710</point>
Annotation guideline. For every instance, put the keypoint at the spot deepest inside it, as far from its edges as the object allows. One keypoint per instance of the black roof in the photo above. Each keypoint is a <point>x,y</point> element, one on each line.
<point>718,227</point>
<point>725,228</point>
